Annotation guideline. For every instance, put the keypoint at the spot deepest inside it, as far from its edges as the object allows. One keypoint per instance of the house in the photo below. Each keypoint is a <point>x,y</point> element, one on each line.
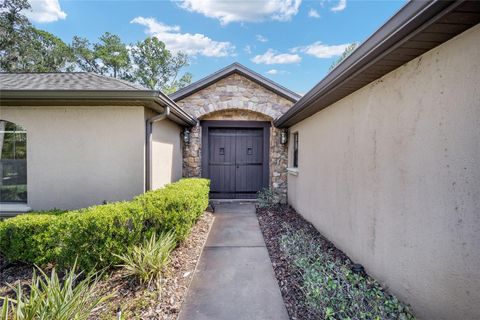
<point>384,157</point>
<point>72,140</point>
<point>381,155</point>
<point>82,139</point>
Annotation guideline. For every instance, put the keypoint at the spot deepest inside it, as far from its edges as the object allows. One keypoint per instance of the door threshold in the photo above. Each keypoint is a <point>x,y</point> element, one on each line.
<point>232,200</point>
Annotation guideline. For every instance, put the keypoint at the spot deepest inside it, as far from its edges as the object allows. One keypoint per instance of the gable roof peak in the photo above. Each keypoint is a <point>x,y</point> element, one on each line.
<point>240,69</point>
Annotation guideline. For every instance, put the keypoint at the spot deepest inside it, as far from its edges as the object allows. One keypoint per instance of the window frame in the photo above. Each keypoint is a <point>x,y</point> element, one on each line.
<point>12,159</point>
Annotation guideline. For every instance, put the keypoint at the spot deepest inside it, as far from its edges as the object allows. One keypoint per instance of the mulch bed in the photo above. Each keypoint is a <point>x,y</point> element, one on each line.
<point>136,301</point>
<point>274,223</point>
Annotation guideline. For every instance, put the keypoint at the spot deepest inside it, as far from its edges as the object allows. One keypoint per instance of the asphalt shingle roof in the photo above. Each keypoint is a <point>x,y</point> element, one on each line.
<point>81,81</point>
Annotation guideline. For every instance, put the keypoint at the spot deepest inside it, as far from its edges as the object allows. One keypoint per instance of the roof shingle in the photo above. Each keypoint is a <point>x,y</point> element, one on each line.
<point>72,81</point>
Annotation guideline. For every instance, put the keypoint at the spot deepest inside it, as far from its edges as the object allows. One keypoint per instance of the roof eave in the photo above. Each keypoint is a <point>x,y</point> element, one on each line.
<point>407,22</point>
<point>152,99</point>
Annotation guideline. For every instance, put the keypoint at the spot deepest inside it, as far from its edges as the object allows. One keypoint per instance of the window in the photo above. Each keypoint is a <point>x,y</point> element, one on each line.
<point>295,150</point>
<point>13,162</point>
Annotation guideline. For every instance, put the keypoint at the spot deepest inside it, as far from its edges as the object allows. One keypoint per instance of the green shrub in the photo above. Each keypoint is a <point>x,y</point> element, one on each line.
<point>268,198</point>
<point>97,233</point>
<point>52,298</point>
<point>176,208</point>
<point>28,238</point>
<point>148,260</point>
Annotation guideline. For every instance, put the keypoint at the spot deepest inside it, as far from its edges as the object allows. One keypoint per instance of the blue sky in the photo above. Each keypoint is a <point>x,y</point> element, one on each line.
<point>293,42</point>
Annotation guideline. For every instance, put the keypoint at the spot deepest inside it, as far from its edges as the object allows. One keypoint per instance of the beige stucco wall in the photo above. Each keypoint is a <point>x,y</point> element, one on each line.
<point>391,175</point>
<point>81,156</point>
<point>166,152</point>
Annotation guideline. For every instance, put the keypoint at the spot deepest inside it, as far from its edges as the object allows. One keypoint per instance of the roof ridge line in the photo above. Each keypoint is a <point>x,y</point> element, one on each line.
<point>236,67</point>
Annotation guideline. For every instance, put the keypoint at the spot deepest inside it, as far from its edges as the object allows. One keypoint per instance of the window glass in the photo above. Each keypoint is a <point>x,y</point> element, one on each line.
<point>295,150</point>
<point>13,162</point>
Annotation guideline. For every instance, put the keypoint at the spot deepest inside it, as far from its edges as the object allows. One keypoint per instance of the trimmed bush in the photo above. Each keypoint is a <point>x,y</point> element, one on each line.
<point>97,233</point>
<point>27,238</point>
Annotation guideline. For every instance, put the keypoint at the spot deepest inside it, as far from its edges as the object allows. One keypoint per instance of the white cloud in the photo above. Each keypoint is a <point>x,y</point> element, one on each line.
<point>342,4</point>
<point>243,11</point>
<point>320,50</point>
<point>191,44</point>
<point>261,38</point>
<point>45,11</point>
<point>272,71</point>
<point>272,57</point>
<point>313,13</point>
<point>247,49</point>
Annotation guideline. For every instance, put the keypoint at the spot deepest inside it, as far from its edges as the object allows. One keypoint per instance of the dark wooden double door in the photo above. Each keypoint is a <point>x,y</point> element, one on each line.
<point>237,159</point>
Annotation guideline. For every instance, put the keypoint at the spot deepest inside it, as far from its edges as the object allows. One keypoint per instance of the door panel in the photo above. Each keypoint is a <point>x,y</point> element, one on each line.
<point>249,153</point>
<point>222,162</point>
<point>235,161</point>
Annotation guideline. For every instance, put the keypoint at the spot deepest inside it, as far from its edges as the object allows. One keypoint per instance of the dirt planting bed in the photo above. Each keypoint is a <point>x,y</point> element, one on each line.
<point>317,280</point>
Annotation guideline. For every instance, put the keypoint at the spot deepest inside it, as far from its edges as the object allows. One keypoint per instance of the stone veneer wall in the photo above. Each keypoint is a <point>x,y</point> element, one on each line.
<point>237,98</point>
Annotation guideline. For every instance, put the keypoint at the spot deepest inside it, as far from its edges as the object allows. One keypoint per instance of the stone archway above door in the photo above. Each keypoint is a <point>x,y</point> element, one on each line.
<point>236,93</point>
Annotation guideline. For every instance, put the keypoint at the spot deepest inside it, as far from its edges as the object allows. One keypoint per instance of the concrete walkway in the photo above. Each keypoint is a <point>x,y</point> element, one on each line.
<point>234,278</point>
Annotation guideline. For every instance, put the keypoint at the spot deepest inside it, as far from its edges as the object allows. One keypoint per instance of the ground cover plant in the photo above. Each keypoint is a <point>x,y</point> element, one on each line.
<point>316,279</point>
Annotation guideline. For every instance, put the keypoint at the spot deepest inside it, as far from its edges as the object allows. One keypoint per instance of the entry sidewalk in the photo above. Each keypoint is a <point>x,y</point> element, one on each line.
<point>234,278</point>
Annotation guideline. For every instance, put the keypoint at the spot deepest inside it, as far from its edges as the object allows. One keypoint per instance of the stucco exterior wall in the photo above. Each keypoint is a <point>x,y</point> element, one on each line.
<point>166,153</point>
<point>81,156</point>
<point>237,98</point>
<point>391,175</point>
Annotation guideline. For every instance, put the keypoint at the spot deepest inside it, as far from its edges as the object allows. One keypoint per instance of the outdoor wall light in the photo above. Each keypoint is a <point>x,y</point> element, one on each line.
<point>284,137</point>
<point>186,136</point>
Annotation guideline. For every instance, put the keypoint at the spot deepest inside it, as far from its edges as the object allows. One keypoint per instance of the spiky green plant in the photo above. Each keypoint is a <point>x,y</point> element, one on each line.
<point>53,298</point>
<point>147,261</point>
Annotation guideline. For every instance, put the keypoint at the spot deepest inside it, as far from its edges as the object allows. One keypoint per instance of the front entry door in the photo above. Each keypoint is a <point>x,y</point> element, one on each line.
<point>236,162</point>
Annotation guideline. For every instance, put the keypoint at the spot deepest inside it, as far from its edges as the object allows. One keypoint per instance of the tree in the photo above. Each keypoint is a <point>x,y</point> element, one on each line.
<point>109,56</point>
<point>45,52</point>
<point>157,68</point>
<point>84,55</point>
<point>24,48</point>
<point>12,26</point>
<point>348,50</point>
<point>113,54</point>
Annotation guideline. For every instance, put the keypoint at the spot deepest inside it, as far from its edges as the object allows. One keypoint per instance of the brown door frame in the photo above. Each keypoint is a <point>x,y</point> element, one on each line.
<point>264,125</point>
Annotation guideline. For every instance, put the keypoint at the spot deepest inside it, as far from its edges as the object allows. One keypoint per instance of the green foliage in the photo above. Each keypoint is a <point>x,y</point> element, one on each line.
<point>177,207</point>
<point>268,198</point>
<point>13,25</point>
<point>97,234</point>
<point>52,298</point>
<point>148,260</point>
<point>348,50</point>
<point>84,55</point>
<point>25,48</point>
<point>332,289</point>
<point>113,53</point>
<point>28,237</point>
<point>109,56</point>
<point>157,67</point>
<point>46,53</point>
